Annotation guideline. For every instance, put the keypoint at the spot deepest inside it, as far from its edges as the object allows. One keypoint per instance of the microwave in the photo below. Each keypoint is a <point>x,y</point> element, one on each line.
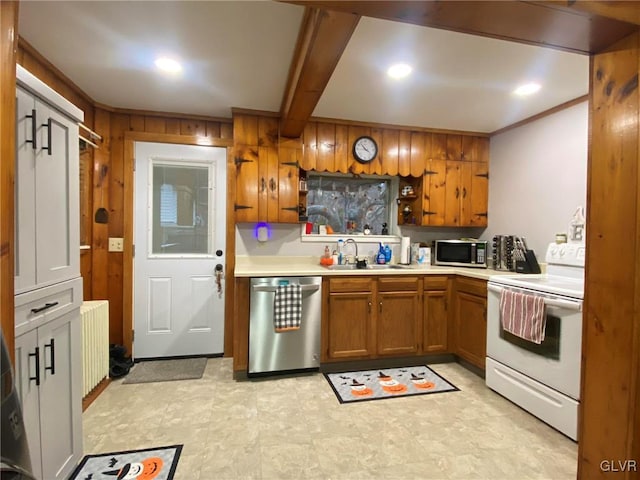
<point>460,253</point>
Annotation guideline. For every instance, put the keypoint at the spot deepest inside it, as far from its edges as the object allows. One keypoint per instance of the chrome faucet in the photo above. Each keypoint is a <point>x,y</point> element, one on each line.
<point>351,240</point>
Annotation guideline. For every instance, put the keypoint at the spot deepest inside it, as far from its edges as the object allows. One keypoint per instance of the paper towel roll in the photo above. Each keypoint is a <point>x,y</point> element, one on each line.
<point>405,248</point>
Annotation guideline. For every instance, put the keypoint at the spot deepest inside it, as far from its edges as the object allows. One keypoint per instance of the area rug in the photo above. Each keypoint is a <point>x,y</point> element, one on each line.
<point>388,383</point>
<point>149,464</point>
<point>166,370</point>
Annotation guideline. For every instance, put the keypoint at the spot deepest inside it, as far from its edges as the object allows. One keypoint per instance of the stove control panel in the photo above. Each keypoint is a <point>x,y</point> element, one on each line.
<point>572,254</point>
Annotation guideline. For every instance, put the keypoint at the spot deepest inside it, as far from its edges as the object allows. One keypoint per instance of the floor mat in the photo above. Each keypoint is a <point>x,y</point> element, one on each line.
<point>388,383</point>
<point>150,463</point>
<point>166,370</point>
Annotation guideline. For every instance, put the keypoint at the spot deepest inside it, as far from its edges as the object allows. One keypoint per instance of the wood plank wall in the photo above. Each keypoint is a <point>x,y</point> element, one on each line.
<point>8,46</point>
<point>610,400</point>
<point>103,180</point>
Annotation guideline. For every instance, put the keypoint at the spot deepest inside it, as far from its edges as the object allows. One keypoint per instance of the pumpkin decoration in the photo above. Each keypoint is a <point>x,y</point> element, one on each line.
<point>421,383</point>
<point>390,385</point>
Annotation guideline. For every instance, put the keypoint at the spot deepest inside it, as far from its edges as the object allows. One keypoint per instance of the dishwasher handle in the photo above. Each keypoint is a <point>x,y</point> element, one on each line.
<point>304,288</point>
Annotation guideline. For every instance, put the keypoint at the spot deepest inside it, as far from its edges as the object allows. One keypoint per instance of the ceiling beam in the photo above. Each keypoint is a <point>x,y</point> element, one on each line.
<point>568,25</point>
<point>322,39</point>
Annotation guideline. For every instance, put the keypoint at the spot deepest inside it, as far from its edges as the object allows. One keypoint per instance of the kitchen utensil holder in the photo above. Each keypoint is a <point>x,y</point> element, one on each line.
<point>529,264</point>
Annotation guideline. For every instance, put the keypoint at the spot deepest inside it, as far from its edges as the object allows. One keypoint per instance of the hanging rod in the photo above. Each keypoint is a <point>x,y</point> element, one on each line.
<point>86,140</point>
<point>91,132</point>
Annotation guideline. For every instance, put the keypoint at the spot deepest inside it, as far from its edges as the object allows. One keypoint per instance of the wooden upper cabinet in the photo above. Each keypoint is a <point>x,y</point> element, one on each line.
<point>288,193</point>
<point>434,185</point>
<point>479,204</point>
<point>266,171</point>
<point>247,183</point>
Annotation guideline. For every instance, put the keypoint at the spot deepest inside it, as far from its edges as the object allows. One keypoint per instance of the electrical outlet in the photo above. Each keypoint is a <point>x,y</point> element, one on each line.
<point>116,244</point>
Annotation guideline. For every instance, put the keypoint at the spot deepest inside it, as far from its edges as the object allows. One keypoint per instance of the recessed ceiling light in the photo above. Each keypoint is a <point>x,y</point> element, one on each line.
<point>399,70</point>
<point>168,65</point>
<point>527,89</point>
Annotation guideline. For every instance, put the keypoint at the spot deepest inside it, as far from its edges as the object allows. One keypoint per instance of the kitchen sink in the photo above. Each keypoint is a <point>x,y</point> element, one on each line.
<point>368,267</point>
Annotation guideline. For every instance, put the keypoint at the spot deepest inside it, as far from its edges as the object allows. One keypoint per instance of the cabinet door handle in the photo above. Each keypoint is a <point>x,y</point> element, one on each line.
<point>369,307</point>
<point>46,307</point>
<point>464,192</point>
<point>37,355</point>
<point>272,184</point>
<point>48,125</point>
<point>263,185</point>
<point>33,140</point>
<point>52,357</point>
<point>380,307</point>
<point>457,192</point>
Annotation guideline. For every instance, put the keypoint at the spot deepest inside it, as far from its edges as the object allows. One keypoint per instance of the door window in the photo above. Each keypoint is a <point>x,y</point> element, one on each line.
<point>180,209</point>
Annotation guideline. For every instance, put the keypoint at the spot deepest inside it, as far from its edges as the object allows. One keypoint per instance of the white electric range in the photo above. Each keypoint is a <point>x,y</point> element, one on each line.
<point>543,379</point>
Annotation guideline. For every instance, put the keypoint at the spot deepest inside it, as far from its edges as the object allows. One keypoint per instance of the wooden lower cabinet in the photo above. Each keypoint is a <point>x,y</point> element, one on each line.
<point>350,325</point>
<point>349,330</point>
<point>399,316</point>
<point>470,321</point>
<point>377,317</point>
<point>435,315</point>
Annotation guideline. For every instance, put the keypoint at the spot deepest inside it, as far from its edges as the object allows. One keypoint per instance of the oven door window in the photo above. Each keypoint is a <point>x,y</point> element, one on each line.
<point>550,346</point>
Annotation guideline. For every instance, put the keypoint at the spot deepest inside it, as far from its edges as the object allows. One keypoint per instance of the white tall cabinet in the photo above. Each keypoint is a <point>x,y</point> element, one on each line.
<point>48,285</point>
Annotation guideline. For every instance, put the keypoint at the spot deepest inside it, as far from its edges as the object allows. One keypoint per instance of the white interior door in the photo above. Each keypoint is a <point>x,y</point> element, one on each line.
<point>179,235</point>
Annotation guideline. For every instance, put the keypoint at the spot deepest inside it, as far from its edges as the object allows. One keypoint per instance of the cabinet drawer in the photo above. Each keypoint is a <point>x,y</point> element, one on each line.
<point>350,284</point>
<point>432,282</point>
<point>472,285</point>
<point>392,284</point>
<point>39,306</point>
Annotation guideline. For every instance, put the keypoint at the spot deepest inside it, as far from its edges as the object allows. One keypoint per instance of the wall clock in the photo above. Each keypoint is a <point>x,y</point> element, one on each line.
<point>365,149</point>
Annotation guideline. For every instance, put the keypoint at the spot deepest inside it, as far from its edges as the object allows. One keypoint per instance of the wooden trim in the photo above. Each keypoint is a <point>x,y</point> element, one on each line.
<point>95,393</point>
<point>8,47</point>
<point>386,126</point>
<point>546,24</point>
<point>230,256</point>
<point>390,126</point>
<point>26,46</point>
<point>151,113</point>
<point>249,111</point>
<point>540,115</point>
<point>179,139</point>
<point>610,344</point>
<point>321,41</point>
<point>127,274</point>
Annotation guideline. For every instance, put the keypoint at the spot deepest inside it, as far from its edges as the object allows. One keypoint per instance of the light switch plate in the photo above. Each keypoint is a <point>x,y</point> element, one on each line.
<point>116,244</point>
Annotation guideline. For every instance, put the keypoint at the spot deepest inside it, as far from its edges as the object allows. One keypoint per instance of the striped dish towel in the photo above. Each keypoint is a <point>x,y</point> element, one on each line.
<point>287,308</point>
<point>523,315</point>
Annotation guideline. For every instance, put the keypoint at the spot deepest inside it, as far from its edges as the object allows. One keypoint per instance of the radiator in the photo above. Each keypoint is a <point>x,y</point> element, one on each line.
<point>95,343</point>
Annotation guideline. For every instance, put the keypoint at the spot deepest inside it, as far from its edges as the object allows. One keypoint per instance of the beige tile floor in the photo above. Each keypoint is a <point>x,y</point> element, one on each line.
<point>294,427</point>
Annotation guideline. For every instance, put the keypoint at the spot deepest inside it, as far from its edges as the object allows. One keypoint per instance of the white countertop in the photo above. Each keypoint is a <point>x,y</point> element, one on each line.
<point>276,266</point>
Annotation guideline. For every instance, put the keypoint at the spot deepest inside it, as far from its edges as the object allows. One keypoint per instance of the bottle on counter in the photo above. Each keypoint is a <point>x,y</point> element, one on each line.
<point>387,254</point>
<point>340,251</point>
<point>381,258</point>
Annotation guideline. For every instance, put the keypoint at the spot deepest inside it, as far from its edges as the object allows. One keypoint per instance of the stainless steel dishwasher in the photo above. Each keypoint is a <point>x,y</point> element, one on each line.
<point>270,351</point>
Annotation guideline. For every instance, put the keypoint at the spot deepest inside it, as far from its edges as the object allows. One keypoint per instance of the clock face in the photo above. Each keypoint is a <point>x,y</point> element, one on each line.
<point>365,149</point>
